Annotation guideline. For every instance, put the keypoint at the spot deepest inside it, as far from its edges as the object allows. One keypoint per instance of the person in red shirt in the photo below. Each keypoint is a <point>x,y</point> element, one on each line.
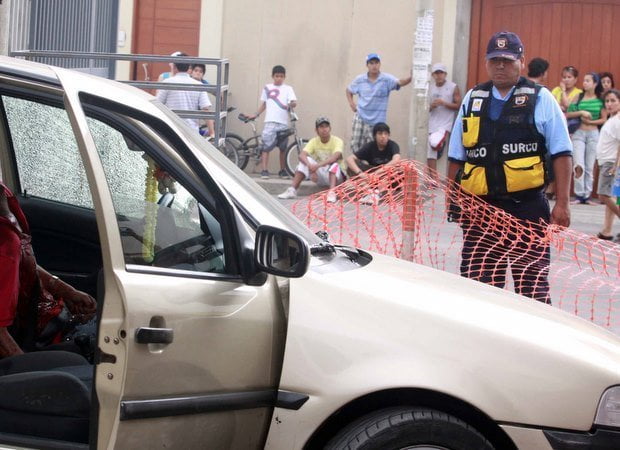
<point>26,287</point>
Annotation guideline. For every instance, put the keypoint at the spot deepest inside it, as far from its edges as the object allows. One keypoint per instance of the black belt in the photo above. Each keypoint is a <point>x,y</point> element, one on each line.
<point>516,197</point>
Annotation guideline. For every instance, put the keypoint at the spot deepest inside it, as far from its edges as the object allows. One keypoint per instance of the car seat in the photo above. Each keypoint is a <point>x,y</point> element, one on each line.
<point>46,394</point>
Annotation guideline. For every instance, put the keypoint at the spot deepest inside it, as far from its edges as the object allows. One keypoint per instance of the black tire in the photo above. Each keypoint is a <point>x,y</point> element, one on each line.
<point>230,151</point>
<point>237,141</point>
<point>402,427</point>
<point>292,157</point>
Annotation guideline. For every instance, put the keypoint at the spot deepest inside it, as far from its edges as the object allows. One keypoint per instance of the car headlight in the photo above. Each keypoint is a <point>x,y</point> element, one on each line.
<point>608,413</point>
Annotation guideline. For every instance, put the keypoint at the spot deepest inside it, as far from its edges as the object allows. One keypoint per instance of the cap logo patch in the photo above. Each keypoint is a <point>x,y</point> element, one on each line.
<point>501,43</point>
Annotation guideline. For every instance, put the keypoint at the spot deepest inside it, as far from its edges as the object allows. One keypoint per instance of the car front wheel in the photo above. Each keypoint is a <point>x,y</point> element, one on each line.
<point>409,428</point>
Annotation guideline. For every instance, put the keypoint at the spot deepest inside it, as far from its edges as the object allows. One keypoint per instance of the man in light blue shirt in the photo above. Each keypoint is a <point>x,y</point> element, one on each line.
<point>504,130</point>
<point>372,90</point>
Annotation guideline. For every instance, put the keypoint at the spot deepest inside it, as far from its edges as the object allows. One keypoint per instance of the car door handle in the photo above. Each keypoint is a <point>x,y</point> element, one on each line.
<point>148,335</point>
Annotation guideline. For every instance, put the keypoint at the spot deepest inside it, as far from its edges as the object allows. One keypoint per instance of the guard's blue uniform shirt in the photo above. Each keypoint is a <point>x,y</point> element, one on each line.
<point>548,118</point>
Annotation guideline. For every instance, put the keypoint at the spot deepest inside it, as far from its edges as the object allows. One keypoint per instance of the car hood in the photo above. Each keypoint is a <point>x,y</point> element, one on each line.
<point>395,324</point>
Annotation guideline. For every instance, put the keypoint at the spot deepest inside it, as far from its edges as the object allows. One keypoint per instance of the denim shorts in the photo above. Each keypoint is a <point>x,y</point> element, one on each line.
<point>606,178</point>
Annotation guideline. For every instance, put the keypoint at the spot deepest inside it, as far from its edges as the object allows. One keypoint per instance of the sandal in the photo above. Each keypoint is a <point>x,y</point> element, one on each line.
<point>604,237</point>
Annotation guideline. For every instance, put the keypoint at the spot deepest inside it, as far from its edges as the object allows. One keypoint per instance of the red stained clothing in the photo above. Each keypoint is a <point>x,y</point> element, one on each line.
<point>19,278</point>
<point>9,271</point>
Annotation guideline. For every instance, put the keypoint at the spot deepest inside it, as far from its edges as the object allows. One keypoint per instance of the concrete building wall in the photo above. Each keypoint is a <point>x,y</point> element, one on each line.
<point>323,45</point>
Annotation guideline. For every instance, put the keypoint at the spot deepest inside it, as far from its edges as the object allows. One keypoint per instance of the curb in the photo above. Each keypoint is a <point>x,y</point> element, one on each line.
<point>276,185</point>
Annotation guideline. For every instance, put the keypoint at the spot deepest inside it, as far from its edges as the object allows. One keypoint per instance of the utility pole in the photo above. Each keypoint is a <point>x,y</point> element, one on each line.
<point>418,119</point>
<point>5,14</point>
<point>422,58</point>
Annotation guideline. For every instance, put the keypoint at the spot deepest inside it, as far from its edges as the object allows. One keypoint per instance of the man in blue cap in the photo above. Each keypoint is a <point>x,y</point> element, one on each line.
<point>372,90</point>
<point>501,137</point>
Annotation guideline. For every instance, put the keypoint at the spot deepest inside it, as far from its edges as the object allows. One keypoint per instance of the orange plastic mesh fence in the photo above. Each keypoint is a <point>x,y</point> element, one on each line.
<point>402,211</point>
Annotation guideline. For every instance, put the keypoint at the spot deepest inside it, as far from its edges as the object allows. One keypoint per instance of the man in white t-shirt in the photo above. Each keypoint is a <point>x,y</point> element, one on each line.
<point>320,161</point>
<point>607,156</point>
<point>185,100</point>
<point>445,99</point>
<point>277,98</point>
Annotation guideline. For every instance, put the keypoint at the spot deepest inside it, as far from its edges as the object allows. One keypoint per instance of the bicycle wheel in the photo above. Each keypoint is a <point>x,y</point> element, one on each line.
<point>230,151</point>
<point>236,141</point>
<point>292,157</point>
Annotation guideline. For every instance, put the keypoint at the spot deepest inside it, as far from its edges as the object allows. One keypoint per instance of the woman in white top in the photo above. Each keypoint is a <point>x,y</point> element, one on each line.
<point>608,158</point>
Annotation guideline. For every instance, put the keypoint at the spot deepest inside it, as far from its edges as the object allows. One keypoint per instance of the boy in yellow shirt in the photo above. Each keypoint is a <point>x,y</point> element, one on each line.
<point>319,161</point>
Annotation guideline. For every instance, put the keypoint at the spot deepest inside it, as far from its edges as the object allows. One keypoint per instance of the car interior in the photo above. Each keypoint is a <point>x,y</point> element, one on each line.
<point>48,394</point>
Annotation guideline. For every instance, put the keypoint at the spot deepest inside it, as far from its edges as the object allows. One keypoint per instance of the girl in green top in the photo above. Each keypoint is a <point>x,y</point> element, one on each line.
<point>589,108</point>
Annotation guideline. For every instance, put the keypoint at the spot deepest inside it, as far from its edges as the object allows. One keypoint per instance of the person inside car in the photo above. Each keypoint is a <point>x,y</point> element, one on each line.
<point>38,308</point>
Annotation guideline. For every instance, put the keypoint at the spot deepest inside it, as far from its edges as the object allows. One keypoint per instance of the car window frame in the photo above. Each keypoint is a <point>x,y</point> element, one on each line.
<point>201,186</point>
<point>165,155</point>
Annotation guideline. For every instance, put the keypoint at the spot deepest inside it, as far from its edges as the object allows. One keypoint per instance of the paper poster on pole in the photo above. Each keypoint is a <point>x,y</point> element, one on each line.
<point>423,49</point>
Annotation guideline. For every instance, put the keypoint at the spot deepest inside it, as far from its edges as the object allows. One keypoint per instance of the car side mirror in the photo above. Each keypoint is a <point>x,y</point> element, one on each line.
<point>280,252</point>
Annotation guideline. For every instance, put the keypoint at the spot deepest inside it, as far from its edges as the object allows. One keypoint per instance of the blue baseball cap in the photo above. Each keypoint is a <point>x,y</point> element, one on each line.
<point>505,45</point>
<point>372,56</point>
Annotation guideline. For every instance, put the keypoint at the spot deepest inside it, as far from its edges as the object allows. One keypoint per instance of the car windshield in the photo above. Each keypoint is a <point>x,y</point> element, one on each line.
<point>264,209</point>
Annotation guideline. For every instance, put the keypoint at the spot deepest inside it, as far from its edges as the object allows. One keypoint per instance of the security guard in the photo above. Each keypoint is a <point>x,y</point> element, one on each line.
<point>497,151</point>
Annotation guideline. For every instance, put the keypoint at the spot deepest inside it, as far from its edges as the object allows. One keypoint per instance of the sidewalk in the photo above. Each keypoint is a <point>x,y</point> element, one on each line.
<point>276,185</point>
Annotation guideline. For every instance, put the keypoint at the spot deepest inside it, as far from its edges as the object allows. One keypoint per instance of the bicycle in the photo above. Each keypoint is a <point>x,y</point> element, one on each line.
<point>225,146</point>
<point>251,147</point>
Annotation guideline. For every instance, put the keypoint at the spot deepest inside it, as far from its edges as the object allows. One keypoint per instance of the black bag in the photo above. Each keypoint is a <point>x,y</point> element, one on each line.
<point>574,123</point>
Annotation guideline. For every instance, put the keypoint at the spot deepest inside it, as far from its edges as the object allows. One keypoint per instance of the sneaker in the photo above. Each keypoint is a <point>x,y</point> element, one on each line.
<point>264,174</point>
<point>289,193</point>
<point>370,199</point>
<point>331,197</point>
<point>283,174</point>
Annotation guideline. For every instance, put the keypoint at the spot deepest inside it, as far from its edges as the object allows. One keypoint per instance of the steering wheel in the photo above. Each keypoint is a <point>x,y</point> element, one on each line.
<point>179,254</point>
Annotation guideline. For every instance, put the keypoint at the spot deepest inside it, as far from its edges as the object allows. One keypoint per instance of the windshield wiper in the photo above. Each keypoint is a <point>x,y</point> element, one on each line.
<point>327,247</point>
<point>322,248</point>
<point>351,252</point>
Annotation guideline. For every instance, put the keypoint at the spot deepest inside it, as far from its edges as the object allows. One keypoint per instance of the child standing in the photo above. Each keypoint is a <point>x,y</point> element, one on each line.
<point>277,98</point>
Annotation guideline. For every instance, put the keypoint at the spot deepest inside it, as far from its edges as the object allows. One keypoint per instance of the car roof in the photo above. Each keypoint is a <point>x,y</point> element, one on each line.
<point>88,83</point>
<point>28,69</point>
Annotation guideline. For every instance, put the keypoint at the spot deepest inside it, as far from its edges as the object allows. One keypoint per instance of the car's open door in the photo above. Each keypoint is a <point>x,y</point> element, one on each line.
<point>189,354</point>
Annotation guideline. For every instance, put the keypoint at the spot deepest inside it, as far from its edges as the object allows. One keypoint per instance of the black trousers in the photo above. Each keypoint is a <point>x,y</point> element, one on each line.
<point>490,248</point>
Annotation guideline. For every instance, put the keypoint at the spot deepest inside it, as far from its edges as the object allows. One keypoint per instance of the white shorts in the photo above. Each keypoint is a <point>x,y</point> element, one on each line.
<point>322,172</point>
<point>270,137</point>
<point>435,153</point>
